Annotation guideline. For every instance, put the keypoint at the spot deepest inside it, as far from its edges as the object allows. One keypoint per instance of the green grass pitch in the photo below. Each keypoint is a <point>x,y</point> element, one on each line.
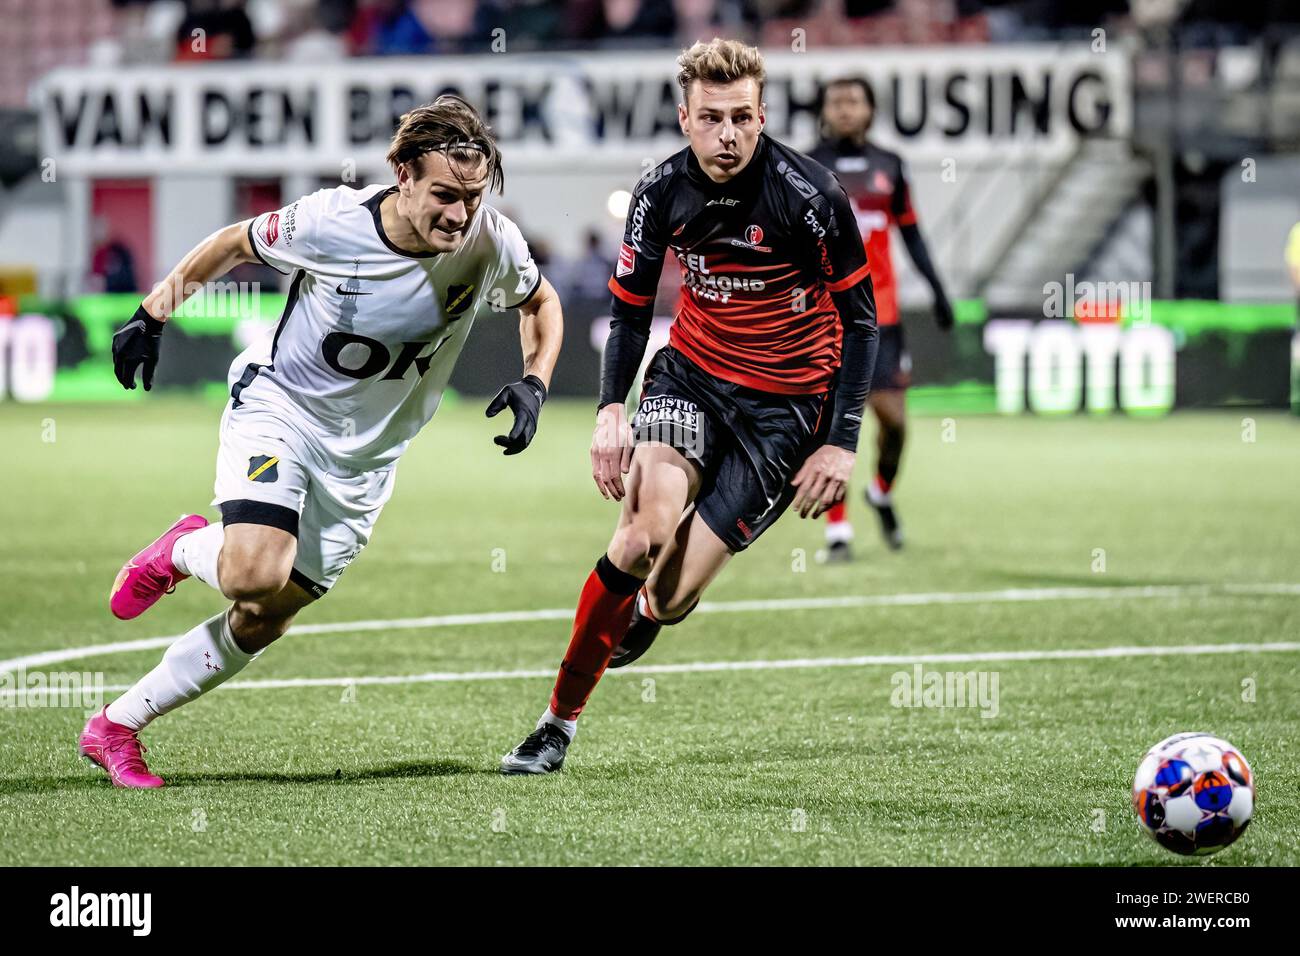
<point>808,765</point>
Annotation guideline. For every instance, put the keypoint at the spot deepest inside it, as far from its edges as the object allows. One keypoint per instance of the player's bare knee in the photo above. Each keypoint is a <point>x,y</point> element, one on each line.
<point>255,561</point>
<point>640,542</point>
<point>632,548</point>
<point>252,581</point>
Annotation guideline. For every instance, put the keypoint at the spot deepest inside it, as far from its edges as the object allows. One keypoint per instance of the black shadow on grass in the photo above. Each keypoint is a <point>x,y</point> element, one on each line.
<point>86,782</point>
<point>397,771</point>
<point>409,769</point>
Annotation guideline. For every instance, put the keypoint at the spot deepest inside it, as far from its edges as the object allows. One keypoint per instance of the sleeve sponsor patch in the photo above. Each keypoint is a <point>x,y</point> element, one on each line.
<point>626,260</point>
<point>270,230</point>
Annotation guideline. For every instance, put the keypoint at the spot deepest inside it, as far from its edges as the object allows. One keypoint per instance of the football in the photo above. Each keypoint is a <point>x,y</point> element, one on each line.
<point>1194,793</point>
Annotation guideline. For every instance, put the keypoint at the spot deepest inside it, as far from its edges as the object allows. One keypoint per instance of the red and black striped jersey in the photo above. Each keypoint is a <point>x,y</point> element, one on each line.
<point>877,186</point>
<point>761,257</point>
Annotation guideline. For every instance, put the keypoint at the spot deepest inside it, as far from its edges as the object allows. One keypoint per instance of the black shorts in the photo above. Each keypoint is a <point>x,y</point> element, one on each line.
<point>893,364</point>
<point>748,444</point>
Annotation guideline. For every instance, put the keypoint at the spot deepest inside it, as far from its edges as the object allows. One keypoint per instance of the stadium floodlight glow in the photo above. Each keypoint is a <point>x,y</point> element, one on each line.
<point>618,203</point>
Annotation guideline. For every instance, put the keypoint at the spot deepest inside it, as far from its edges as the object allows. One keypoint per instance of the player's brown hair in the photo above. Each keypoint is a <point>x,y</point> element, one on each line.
<point>451,126</point>
<point>720,61</point>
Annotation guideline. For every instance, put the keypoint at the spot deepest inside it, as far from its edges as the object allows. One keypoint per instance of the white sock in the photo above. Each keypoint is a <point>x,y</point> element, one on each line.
<point>204,658</point>
<point>196,553</point>
<point>877,494</point>
<point>837,531</point>
<point>570,727</point>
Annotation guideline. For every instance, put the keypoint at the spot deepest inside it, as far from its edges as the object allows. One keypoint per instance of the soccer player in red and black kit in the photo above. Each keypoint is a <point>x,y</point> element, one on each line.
<point>757,400</point>
<point>877,185</point>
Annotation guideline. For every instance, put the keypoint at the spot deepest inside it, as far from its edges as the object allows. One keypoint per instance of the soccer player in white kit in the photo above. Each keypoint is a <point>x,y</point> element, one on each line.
<point>386,282</point>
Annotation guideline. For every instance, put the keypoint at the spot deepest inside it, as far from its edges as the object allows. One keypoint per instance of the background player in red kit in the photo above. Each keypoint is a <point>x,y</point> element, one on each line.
<point>757,399</point>
<point>877,185</point>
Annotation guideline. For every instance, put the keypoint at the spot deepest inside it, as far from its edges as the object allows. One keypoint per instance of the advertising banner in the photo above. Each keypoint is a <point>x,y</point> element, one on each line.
<point>251,119</point>
<point>1176,354</point>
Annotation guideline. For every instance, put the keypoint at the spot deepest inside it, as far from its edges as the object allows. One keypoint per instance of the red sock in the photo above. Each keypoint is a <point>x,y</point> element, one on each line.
<point>604,613</point>
<point>838,512</point>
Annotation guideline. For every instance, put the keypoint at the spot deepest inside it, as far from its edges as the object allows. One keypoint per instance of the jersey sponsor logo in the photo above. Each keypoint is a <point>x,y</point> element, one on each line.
<point>716,288</point>
<point>668,419</point>
<point>626,260</point>
<point>290,223</point>
<point>801,185</point>
<point>819,231</point>
<point>263,468</point>
<point>824,256</point>
<point>271,229</point>
<point>638,222</point>
<point>357,356</point>
<point>458,299</point>
<point>722,201</point>
<point>654,174</point>
<point>851,164</point>
<point>817,228</point>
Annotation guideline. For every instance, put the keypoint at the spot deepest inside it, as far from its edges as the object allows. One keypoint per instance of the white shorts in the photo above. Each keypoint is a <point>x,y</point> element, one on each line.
<point>266,465</point>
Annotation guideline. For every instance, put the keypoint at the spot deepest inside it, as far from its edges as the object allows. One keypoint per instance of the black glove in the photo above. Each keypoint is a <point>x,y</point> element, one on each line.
<point>943,313</point>
<point>134,345</point>
<point>525,400</point>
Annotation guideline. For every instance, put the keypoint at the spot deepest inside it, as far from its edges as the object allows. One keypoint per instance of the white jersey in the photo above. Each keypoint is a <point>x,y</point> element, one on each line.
<point>370,333</point>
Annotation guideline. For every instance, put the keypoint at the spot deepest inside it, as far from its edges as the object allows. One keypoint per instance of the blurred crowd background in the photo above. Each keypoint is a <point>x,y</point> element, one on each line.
<point>40,36</point>
<point>1189,189</point>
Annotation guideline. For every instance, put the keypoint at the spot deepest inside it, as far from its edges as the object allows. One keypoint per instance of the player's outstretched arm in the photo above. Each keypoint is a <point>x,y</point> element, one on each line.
<point>611,442</point>
<point>635,279</point>
<point>824,476</point>
<point>135,345</point>
<point>611,450</point>
<point>905,216</point>
<point>920,253</point>
<point>822,480</point>
<point>541,330</point>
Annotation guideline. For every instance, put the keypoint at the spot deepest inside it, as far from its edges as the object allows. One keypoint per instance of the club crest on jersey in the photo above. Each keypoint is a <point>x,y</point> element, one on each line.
<point>263,468</point>
<point>626,260</point>
<point>753,236</point>
<point>271,229</point>
<point>459,298</point>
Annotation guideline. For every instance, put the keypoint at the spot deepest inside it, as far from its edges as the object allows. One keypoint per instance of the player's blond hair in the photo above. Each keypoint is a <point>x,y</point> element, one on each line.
<point>449,125</point>
<point>720,61</point>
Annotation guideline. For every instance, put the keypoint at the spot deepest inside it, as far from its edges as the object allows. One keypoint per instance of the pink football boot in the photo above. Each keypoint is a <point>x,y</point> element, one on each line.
<point>150,574</point>
<point>118,750</point>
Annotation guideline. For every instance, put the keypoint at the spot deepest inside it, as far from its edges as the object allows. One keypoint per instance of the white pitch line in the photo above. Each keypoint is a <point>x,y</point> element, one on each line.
<point>797,663</point>
<point>1004,596</point>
